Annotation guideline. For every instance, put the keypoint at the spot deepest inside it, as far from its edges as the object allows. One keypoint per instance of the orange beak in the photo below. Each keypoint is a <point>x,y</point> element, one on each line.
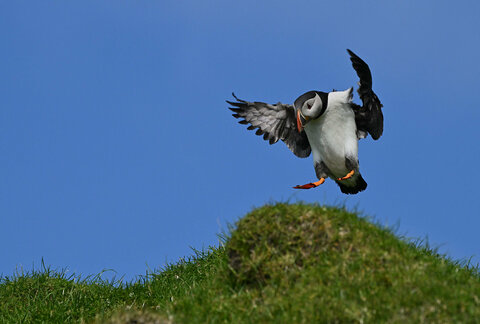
<point>299,122</point>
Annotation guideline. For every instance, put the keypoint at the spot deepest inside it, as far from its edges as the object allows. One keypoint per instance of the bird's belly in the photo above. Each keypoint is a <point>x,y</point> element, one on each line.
<point>332,139</point>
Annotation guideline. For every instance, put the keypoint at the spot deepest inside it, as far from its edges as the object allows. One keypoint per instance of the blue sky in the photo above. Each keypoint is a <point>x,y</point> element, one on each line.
<point>117,150</point>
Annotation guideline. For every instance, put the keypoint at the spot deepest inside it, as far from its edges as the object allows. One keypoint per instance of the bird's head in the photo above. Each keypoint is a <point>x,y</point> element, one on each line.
<point>310,105</point>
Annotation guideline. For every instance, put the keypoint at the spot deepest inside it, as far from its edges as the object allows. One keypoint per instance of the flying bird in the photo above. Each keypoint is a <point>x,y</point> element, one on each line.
<point>327,124</point>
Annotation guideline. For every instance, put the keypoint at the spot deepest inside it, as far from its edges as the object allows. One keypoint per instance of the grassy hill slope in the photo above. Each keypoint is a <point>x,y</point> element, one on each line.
<point>282,263</point>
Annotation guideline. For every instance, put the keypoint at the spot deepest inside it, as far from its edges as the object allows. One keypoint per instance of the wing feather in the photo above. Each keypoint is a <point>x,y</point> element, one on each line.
<point>369,117</point>
<point>274,121</point>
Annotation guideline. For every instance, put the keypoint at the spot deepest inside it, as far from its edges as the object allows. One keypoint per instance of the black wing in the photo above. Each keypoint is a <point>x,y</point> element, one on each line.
<point>274,122</point>
<point>369,117</point>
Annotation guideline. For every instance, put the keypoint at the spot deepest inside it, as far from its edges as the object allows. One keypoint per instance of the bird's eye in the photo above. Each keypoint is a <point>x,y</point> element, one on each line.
<point>309,106</point>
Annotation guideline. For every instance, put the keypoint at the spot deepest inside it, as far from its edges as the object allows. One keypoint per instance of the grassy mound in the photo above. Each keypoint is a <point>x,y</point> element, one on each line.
<point>282,263</point>
<point>317,263</point>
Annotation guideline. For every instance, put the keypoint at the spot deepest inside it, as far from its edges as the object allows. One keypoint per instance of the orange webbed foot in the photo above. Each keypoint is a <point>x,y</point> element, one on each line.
<point>348,176</point>
<point>310,185</point>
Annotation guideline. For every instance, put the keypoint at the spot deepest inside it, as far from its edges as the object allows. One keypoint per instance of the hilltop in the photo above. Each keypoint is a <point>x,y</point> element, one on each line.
<point>281,263</point>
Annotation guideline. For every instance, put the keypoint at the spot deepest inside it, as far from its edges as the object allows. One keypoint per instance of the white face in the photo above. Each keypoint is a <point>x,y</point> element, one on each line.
<point>312,107</point>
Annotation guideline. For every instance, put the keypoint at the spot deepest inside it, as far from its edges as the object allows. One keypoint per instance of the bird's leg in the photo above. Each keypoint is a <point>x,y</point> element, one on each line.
<point>310,185</point>
<point>348,176</point>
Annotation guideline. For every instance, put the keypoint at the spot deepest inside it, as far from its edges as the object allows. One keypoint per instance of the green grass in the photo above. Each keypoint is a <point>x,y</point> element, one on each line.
<point>281,264</point>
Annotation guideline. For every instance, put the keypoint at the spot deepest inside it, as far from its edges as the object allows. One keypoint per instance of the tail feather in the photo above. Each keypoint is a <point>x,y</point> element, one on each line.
<point>352,188</point>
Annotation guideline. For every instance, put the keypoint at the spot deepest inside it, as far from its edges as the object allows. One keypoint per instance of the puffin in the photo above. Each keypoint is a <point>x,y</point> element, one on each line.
<point>327,125</point>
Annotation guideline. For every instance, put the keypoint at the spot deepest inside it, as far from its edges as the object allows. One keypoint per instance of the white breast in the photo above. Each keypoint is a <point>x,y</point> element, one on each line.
<point>333,137</point>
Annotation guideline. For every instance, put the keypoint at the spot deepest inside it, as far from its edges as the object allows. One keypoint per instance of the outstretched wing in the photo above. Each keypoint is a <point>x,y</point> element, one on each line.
<point>274,122</point>
<point>369,117</point>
